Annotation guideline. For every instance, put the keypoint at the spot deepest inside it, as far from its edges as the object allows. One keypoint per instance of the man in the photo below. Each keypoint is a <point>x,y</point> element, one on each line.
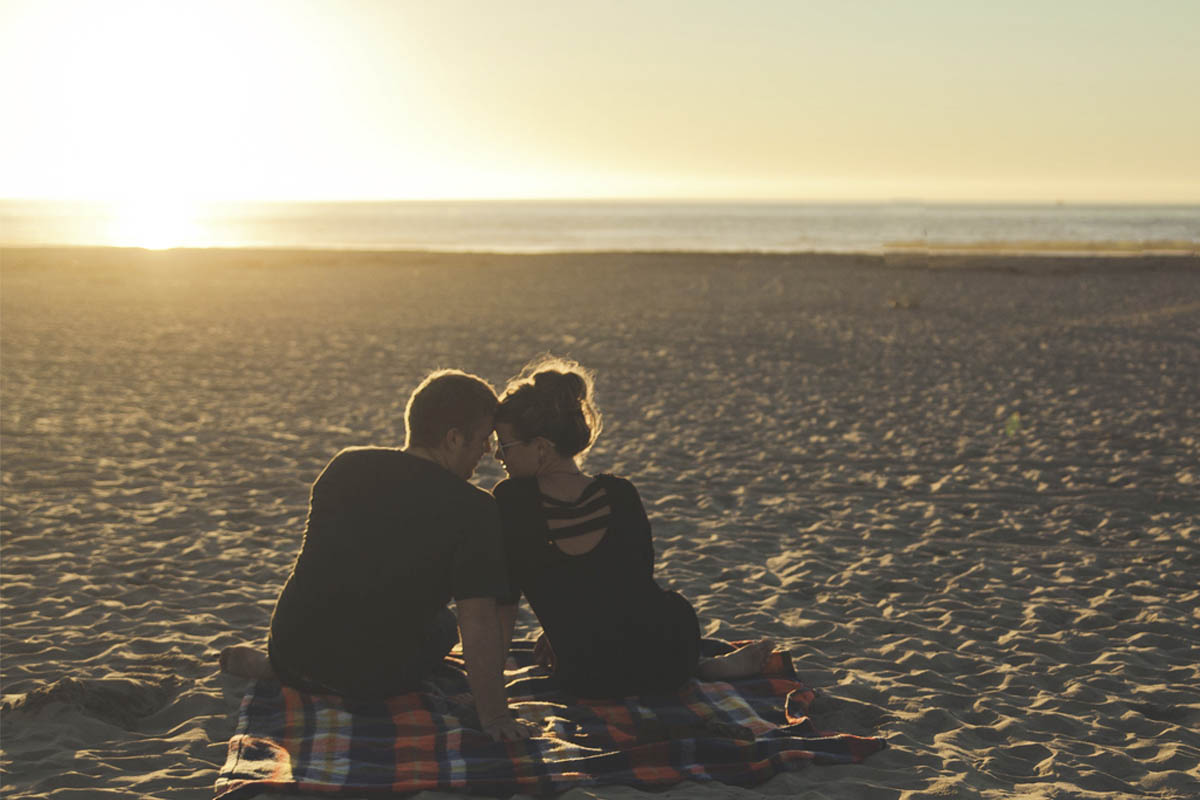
<point>392,535</point>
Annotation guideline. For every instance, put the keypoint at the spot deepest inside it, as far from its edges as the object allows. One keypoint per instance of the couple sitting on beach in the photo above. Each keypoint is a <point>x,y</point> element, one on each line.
<point>392,535</point>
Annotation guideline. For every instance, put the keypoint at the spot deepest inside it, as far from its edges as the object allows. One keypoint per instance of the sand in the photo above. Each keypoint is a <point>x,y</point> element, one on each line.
<point>964,491</point>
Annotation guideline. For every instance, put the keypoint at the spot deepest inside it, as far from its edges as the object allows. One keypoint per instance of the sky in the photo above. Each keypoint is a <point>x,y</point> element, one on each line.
<point>935,100</point>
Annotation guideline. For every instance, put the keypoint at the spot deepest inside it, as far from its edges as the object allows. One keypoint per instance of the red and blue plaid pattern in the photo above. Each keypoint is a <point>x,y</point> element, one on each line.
<point>741,732</point>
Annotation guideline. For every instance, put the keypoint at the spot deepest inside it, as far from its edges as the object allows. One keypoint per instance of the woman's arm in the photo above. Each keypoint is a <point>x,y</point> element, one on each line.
<point>640,529</point>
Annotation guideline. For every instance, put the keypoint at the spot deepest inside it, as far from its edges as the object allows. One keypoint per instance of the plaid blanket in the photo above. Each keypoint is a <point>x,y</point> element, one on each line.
<point>740,732</point>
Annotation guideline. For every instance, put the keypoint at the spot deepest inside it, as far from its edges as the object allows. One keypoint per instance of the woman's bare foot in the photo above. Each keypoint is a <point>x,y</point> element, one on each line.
<point>246,661</point>
<point>741,663</point>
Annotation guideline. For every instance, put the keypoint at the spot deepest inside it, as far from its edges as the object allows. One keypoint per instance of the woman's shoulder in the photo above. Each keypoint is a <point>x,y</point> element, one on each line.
<point>610,479</point>
<point>618,486</point>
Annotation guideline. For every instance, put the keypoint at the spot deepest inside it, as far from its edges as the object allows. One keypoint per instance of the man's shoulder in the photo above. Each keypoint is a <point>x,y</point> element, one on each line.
<point>441,486</point>
<point>369,465</point>
<point>476,496</point>
<point>360,458</point>
<point>359,454</point>
<point>505,486</point>
<point>450,492</point>
<point>513,488</point>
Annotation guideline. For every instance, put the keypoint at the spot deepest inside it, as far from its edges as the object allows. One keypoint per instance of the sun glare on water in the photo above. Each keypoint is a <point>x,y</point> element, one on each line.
<point>154,226</point>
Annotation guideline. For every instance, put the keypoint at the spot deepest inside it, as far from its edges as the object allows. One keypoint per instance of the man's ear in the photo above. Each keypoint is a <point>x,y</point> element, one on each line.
<point>454,439</point>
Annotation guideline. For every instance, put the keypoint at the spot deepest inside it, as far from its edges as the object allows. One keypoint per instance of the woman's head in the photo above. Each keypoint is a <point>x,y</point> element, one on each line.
<point>552,399</point>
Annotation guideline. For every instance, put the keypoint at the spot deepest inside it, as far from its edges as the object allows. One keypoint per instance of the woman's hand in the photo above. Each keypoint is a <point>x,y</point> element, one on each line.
<point>543,652</point>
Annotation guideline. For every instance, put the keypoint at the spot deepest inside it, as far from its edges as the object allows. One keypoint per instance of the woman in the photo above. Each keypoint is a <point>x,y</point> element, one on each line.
<point>579,548</point>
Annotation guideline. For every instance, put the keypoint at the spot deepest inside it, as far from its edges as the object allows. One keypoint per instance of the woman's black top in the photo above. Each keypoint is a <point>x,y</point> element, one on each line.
<point>615,632</point>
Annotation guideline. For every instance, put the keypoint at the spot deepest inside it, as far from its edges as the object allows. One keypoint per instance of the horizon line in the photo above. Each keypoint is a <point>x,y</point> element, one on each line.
<point>894,201</point>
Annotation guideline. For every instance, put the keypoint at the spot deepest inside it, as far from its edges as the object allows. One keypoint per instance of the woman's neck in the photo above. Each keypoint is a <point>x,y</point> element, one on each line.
<point>562,479</point>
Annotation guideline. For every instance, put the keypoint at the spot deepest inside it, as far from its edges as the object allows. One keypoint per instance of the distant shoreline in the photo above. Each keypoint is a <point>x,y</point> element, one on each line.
<point>986,248</point>
<point>535,228</point>
<point>965,260</point>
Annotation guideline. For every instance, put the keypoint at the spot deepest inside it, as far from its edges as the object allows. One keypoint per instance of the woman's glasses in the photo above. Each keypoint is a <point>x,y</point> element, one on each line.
<point>503,446</point>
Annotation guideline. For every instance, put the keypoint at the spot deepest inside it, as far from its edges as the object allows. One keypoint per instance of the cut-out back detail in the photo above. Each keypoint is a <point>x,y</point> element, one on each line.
<point>576,527</point>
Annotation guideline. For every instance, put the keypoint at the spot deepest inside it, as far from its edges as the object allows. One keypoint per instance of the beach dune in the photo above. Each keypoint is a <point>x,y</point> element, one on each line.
<point>964,491</point>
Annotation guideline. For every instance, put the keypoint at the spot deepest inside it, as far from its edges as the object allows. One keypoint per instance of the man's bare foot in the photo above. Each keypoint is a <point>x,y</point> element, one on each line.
<point>741,663</point>
<point>246,661</point>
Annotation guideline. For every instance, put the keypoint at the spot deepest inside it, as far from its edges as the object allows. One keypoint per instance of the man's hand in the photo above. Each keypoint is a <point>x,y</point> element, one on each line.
<point>507,729</point>
<point>543,652</point>
<point>483,651</point>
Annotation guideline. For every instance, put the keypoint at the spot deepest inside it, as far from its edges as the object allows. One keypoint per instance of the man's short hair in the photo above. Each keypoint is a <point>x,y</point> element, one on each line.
<point>447,398</point>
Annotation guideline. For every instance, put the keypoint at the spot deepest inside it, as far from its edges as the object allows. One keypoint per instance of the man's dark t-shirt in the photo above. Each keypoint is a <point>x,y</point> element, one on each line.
<point>390,539</point>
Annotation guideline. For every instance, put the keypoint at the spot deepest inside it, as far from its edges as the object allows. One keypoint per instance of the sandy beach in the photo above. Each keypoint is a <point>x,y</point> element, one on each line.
<point>963,490</point>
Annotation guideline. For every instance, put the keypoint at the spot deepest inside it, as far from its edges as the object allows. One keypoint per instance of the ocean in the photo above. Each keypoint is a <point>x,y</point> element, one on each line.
<point>578,226</point>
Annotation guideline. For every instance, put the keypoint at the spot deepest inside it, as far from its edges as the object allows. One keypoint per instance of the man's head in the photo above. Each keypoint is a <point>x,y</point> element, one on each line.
<point>450,414</point>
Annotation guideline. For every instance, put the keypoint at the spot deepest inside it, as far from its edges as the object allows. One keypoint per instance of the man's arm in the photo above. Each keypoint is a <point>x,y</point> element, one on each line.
<point>484,652</point>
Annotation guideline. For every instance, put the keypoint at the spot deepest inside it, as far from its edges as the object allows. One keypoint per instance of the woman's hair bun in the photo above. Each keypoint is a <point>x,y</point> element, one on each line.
<point>570,384</point>
<point>553,398</point>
